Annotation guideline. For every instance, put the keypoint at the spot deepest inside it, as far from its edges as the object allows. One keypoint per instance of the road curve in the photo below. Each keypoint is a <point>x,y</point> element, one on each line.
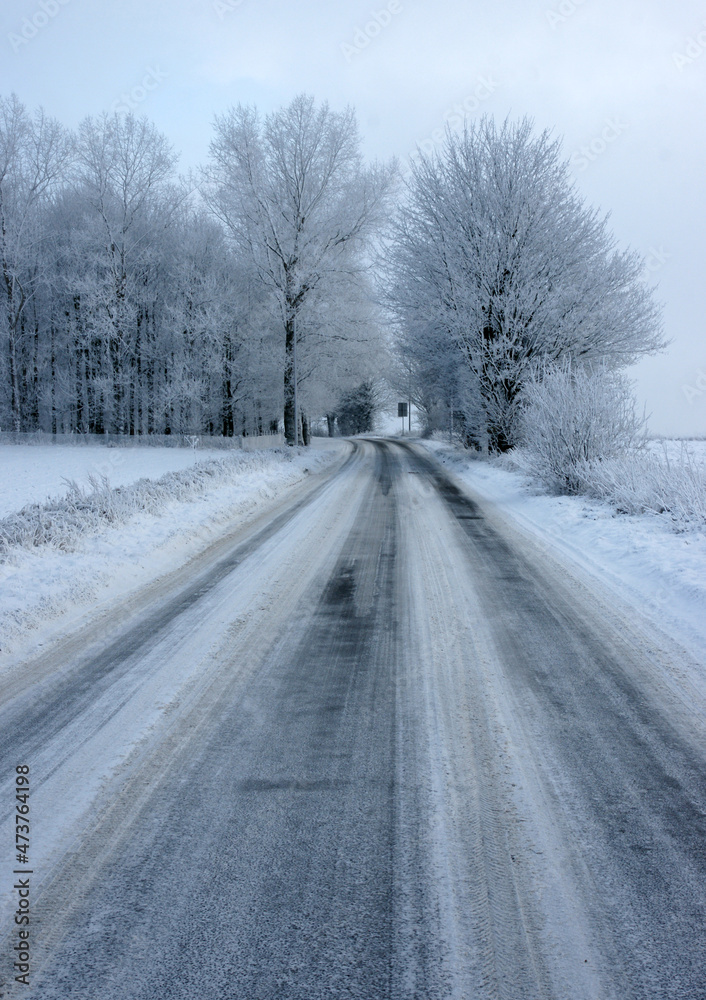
<point>378,748</point>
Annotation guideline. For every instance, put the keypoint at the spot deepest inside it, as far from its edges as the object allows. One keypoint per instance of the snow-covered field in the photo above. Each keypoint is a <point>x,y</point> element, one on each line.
<point>33,473</point>
<point>675,448</point>
<point>44,589</point>
<point>660,572</point>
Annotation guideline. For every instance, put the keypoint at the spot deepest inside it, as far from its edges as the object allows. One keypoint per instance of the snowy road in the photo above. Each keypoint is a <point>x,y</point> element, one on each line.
<point>376,747</point>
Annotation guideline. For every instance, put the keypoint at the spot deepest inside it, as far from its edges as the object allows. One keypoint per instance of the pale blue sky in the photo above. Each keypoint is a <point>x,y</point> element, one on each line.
<point>620,81</point>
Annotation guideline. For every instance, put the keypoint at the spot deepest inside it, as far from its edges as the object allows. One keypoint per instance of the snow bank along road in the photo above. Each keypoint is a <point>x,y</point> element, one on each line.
<point>379,747</point>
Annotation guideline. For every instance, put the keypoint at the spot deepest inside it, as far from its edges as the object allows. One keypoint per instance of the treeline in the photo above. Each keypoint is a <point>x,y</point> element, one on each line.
<point>129,305</point>
<point>241,299</point>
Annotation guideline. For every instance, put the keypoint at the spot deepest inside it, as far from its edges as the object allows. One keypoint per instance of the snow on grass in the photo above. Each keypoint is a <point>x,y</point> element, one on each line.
<point>674,448</point>
<point>34,473</point>
<point>638,483</point>
<point>95,544</point>
<point>641,480</point>
<point>62,522</point>
<point>662,573</point>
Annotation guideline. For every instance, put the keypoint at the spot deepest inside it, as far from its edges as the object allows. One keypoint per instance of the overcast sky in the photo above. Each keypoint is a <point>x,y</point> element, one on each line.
<point>622,82</point>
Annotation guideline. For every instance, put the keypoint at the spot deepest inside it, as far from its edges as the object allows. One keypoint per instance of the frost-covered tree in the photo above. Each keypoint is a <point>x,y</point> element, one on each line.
<point>125,183</point>
<point>34,151</point>
<point>356,410</point>
<point>123,306</point>
<point>297,201</point>
<point>223,359</point>
<point>497,265</point>
<point>339,343</point>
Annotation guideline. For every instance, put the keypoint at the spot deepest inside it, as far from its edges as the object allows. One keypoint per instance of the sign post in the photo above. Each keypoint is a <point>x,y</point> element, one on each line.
<point>402,410</point>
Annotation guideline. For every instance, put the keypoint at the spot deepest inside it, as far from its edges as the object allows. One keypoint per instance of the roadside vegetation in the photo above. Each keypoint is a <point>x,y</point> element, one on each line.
<point>580,433</point>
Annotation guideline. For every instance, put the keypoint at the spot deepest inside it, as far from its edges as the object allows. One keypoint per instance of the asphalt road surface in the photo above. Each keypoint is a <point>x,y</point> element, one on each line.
<point>375,745</point>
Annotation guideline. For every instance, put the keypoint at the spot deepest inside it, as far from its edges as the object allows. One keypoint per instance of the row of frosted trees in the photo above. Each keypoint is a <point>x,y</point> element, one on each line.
<point>133,301</point>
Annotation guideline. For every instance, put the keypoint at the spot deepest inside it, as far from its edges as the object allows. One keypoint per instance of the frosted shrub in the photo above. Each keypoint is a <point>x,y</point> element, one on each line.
<point>645,483</point>
<point>573,417</point>
<point>581,434</point>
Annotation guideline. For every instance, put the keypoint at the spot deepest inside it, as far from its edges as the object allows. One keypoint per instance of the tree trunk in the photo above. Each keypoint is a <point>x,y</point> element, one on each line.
<point>15,382</point>
<point>331,424</point>
<point>289,428</point>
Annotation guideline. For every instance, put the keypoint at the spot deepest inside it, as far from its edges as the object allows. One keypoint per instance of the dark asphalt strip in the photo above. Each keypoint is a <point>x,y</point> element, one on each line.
<point>30,721</point>
<point>623,778</point>
<point>266,867</point>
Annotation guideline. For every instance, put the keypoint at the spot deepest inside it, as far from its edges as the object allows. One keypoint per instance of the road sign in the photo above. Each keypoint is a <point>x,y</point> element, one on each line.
<point>402,409</point>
